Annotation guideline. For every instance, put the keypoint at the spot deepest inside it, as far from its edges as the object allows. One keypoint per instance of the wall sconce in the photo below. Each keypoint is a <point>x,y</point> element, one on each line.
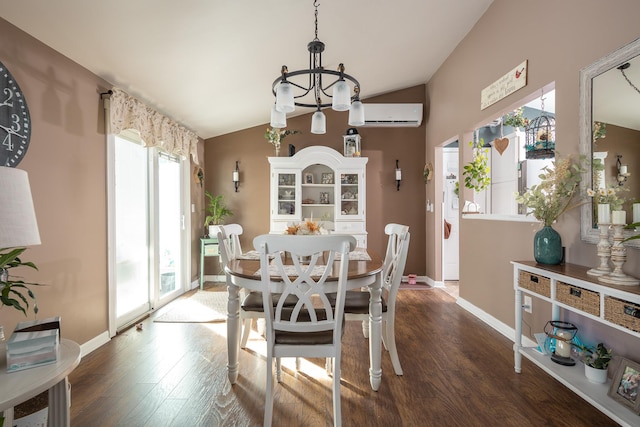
<point>623,172</point>
<point>236,177</point>
<point>398,175</point>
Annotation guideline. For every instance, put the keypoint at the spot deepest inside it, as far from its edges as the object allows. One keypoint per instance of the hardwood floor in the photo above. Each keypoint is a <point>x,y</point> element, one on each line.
<point>457,372</point>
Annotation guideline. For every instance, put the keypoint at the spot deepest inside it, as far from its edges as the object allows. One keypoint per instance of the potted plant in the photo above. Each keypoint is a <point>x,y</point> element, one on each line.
<point>15,293</point>
<point>550,199</point>
<point>276,136</point>
<point>516,119</point>
<point>217,212</point>
<point>596,363</point>
<point>477,172</point>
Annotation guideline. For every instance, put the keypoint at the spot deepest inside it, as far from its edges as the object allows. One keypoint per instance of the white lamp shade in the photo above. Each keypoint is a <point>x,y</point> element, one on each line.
<point>278,118</point>
<point>284,98</point>
<point>18,226</point>
<point>318,123</point>
<point>356,114</point>
<point>341,96</point>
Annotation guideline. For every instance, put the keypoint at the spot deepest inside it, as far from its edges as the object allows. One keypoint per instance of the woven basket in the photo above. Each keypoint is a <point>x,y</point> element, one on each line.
<point>623,313</point>
<point>580,298</point>
<point>535,283</point>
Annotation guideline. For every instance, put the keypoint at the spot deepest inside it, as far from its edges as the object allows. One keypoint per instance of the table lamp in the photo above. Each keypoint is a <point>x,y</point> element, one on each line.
<point>18,226</point>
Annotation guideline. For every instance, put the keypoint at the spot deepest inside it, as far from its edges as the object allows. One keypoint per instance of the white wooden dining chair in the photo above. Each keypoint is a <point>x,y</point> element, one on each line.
<point>226,255</point>
<point>233,232</point>
<point>357,303</point>
<point>313,327</point>
<point>251,305</point>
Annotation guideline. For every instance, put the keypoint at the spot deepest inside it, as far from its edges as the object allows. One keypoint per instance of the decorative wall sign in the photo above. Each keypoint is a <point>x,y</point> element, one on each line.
<point>504,86</point>
<point>15,122</point>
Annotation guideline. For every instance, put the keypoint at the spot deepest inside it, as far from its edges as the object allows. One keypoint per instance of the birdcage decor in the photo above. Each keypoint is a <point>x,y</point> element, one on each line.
<point>541,137</point>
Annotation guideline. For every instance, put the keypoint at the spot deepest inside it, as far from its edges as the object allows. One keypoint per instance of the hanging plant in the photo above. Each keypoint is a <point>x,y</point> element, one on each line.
<point>477,174</point>
<point>516,119</point>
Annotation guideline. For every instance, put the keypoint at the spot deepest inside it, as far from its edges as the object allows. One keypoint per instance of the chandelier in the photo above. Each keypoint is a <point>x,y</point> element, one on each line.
<point>296,88</point>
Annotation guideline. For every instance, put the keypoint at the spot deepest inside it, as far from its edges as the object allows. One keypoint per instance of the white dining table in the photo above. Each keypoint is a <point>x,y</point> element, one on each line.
<point>363,273</point>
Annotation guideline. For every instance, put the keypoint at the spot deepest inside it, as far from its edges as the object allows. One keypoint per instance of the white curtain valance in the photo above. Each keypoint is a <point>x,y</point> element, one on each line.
<point>156,130</point>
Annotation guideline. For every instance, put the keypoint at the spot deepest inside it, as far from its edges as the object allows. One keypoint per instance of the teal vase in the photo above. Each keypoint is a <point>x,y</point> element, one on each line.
<point>547,246</point>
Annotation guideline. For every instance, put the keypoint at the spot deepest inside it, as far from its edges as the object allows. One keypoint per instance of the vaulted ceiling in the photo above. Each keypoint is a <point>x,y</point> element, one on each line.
<point>210,64</point>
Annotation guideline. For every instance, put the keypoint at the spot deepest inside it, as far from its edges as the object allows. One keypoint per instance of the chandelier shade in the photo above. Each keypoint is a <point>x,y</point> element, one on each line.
<point>317,87</point>
<point>278,118</point>
<point>318,123</point>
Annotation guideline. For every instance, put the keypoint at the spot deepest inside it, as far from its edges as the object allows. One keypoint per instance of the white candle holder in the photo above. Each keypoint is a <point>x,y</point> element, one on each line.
<point>618,258</point>
<point>604,252</point>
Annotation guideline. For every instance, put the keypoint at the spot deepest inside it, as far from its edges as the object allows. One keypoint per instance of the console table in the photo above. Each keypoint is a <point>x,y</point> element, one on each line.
<point>571,288</point>
<point>17,387</point>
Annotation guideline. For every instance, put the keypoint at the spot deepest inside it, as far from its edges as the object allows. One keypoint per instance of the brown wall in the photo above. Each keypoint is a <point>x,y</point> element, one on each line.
<point>382,146</point>
<point>66,165</point>
<point>557,39</point>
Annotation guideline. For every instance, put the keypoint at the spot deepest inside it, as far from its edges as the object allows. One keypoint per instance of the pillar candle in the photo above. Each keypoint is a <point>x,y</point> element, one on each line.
<point>563,348</point>
<point>398,174</point>
<point>604,214</point>
<point>636,212</point>
<point>623,169</point>
<point>236,176</point>
<point>619,217</point>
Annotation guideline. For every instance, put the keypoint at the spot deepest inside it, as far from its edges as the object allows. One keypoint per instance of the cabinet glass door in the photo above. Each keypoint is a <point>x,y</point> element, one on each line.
<point>286,204</point>
<point>350,205</point>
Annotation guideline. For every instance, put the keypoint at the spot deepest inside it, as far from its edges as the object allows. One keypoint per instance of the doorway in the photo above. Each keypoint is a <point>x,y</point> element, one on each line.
<point>450,213</point>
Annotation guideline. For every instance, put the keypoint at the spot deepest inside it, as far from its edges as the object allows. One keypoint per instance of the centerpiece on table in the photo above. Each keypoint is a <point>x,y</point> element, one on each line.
<point>305,228</point>
<point>548,200</point>
<point>275,136</point>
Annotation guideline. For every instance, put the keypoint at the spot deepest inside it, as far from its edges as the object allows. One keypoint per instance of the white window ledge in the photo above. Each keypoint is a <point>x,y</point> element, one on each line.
<point>500,217</point>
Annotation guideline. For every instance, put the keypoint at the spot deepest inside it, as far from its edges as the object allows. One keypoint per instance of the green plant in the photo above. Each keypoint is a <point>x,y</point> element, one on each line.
<point>555,193</point>
<point>15,293</point>
<point>516,119</point>
<point>477,173</point>
<point>634,226</point>
<point>217,210</point>
<point>598,358</point>
<point>275,136</point>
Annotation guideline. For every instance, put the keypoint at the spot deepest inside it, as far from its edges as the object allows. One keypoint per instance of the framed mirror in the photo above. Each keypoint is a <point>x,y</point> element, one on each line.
<point>610,132</point>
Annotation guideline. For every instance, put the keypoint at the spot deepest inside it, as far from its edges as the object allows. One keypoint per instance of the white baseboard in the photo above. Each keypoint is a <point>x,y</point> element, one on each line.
<point>94,343</point>
<point>499,326</point>
<point>215,278</point>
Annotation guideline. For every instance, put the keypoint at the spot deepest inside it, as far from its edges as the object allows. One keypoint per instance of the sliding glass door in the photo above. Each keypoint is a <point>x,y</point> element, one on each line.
<point>147,232</point>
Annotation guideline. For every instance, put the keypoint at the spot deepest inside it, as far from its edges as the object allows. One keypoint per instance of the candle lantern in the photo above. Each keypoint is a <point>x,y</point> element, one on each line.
<point>563,333</point>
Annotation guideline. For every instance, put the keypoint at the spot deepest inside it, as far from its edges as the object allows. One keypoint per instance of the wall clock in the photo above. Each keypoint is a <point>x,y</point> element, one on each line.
<point>15,122</point>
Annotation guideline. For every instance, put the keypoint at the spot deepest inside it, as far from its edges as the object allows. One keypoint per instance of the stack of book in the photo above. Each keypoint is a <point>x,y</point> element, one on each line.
<point>33,343</point>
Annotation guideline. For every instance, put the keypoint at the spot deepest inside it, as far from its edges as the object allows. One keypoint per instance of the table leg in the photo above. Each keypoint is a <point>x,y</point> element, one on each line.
<point>375,334</point>
<point>233,331</point>
<point>517,356</point>
<point>59,414</point>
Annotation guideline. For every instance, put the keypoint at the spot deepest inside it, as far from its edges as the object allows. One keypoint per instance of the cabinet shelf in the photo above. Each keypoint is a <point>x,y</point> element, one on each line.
<point>329,205</point>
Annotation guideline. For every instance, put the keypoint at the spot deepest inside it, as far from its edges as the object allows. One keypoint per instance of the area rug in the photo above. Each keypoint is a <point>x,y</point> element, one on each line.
<point>201,307</point>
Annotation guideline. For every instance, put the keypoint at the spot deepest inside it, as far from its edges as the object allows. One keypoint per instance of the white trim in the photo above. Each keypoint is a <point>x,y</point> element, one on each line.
<point>496,324</point>
<point>94,343</point>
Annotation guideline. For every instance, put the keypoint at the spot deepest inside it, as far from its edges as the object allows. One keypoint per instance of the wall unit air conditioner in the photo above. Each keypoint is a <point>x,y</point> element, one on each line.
<point>392,115</point>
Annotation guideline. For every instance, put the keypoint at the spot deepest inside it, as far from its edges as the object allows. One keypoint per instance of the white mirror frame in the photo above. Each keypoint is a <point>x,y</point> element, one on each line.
<point>587,74</point>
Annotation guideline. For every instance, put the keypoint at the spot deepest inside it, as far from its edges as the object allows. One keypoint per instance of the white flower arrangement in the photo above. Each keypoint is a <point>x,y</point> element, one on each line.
<point>306,228</point>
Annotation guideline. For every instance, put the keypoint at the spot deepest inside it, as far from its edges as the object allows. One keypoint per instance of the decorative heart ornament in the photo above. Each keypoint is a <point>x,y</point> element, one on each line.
<point>501,145</point>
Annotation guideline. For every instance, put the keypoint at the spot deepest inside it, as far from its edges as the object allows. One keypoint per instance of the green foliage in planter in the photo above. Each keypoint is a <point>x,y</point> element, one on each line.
<point>477,174</point>
<point>15,293</point>
<point>598,358</point>
<point>217,210</point>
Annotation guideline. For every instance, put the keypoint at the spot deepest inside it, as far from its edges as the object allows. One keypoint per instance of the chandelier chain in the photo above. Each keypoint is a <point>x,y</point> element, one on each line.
<point>315,4</point>
<point>629,81</point>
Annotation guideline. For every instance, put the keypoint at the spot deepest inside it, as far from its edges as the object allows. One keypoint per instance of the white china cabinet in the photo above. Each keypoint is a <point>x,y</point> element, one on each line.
<point>321,184</point>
